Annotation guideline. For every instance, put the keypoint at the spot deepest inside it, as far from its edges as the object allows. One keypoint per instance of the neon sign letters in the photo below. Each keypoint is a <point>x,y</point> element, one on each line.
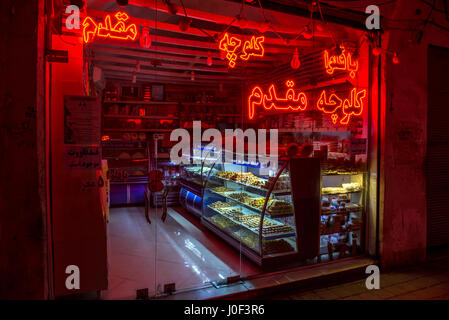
<point>349,107</point>
<point>232,46</point>
<point>341,62</point>
<point>292,101</point>
<point>327,103</point>
<point>117,31</point>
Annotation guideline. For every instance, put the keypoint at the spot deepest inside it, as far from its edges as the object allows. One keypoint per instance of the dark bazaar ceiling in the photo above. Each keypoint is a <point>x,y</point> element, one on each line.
<point>176,51</point>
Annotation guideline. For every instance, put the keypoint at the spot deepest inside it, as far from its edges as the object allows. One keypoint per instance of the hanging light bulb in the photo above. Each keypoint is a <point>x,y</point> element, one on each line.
<point>184,24</point>
<point>295,63</point>
<point>395,58</point>
<point>145,39</point>
<point>264,26</point>
<point>242,21</point>
<point>307,33</point>
<point>209,59</point>
<point>134,79</point>
<point>337,49</point>
<point>192,75</point>
<point>377,51</point>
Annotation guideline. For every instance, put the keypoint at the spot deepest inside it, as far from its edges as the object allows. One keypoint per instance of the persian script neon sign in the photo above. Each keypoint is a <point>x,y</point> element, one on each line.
<point>292,101</point>
<point>341,62</point>
<point>331,104</point>
<point>117,31</point>
<point>348,107</point>
<point>233,48</point>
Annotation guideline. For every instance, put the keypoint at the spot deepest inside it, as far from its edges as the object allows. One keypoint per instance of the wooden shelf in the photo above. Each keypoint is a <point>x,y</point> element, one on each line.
<point>138,130</point>
<point>123,116</point>
<point>292,130</point>
<point>230,115</point>
<point>208,103</point>
<point>142,102</point>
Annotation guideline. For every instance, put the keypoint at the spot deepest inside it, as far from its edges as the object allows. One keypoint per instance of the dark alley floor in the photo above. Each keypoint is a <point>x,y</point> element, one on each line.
<point>427,281</point>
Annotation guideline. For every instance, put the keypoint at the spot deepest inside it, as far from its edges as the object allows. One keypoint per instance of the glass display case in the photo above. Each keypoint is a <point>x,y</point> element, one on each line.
<point>192,180</point>
<point>342,213</point>
<point>251,211</point>
<point>307,211</point>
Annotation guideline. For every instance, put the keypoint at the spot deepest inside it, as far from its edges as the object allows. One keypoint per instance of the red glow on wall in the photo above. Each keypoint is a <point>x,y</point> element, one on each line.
<point>343,61</point>
<point>349,107</point>
<point>291,101</point>
<point>117,31</point>
<point>233,48</point>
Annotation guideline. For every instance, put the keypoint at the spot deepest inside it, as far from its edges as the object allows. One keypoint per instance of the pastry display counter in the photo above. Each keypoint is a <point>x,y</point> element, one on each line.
<point>255,212</point>
<point>296,213</point>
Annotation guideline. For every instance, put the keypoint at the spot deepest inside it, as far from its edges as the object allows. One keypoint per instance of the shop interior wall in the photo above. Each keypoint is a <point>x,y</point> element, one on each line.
<point>23,236</point>
<point>79,230</point>
<point>404,95</point>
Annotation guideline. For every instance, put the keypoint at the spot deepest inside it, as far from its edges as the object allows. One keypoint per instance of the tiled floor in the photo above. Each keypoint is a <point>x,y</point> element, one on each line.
<point>177,250</point>
<point>429,280</point>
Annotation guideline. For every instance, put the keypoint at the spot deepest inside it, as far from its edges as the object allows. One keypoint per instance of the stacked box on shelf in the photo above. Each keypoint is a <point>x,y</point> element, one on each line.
<point>128,165</point>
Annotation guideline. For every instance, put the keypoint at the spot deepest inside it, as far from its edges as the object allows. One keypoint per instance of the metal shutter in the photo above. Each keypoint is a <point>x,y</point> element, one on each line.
<point>437,168</point>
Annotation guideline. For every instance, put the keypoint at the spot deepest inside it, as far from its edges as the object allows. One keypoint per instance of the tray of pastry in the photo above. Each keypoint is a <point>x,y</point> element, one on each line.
<point>345,188</point>
<point>248,179</point>
<point>253,201</point>
<point>271,229</point>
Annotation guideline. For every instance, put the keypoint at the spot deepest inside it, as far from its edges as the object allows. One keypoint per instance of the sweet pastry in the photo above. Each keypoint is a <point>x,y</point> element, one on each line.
<point>242,177</point>
<point>248,218</point>
<point>283,183</point>
<point>221,204</point>
<point>276,229</point>
<point>221,222</point>
<point>279,206</point>
<point>352,187</point>
<point>241,196</point>
<point>276,246</point>
<point>124,155</point>
<point>138,155</point>
<point>333,190</point>
<point>222,189</point>
<point>352,207</point>
<point>327,210</point>
<point>255,223</point>
<point>257,202</point>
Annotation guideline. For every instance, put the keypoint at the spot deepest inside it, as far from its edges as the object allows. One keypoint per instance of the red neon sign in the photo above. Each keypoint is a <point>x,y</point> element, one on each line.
<point>327,103</point>
<point>349,107</point>
<point>107,30</point>
<point>342,62</point>
<point>292,101</point>
<point>232,46</point>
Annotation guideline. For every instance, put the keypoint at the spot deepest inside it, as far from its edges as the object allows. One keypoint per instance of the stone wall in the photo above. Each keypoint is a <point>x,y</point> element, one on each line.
<point>23,256</point>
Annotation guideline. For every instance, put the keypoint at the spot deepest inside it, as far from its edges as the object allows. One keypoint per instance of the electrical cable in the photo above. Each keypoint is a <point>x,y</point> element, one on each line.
<point>329,2</point>
<point>200,29</point>
<point>435,8</point>
<point>325,23</point>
